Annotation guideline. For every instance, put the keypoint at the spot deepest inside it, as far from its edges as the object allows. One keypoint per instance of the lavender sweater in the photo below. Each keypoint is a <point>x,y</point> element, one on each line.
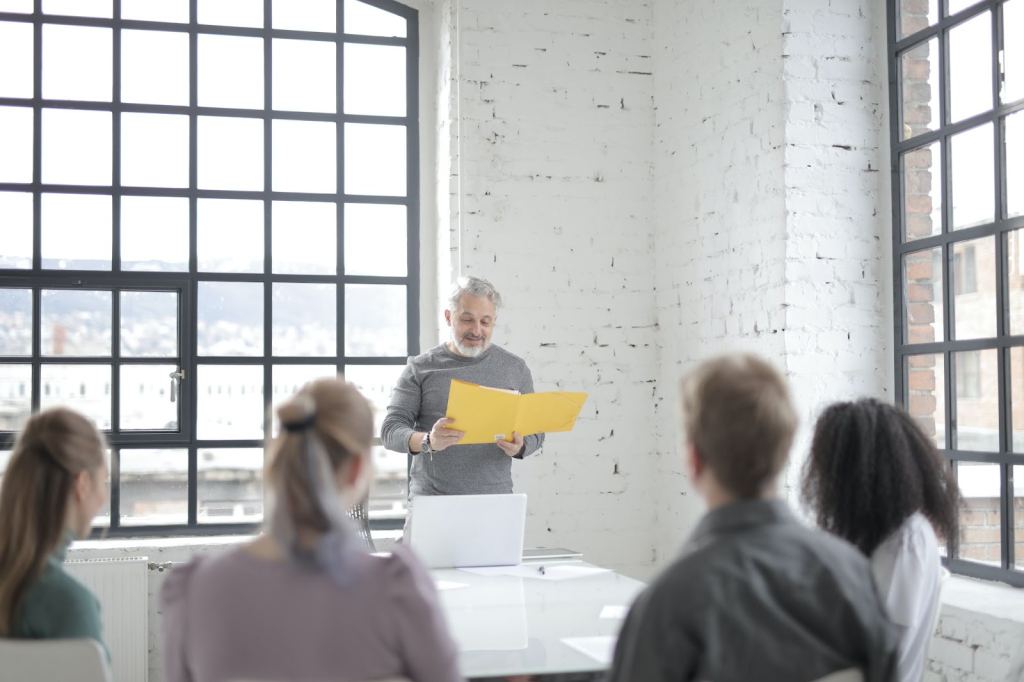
<point>235,616</point>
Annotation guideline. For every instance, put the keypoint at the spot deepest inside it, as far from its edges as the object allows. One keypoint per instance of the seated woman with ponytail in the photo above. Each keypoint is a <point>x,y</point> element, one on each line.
<point>56,481</point>
<point>305,601</point>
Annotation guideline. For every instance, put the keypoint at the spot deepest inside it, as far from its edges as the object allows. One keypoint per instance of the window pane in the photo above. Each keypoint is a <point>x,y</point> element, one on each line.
<point>305,157</point>
<point>958,5</point>
<point>154,67</point>
<point>1015,164</point>
<point>76,231</point>
<point>79,8</point>
<point>922,295</point>
<point>375,382</point>
<point>977,401</point>
<point>85,388</point>
<point>230,485</point>
<point>149,324</point>
<point>973,177</point>
<point>309,15</point>
<point>146,398</point>
<point>231,12</point>
<point>920,72</point>
<point>75,322</point>
<point>916,15</point>
<point>970,68</point>
<point>16,142</point>
<point>78,63</point>
<point>154,487</point>
<point>154,150</point>
<point>15,321</point>
<point>375,80</point>
<point>305,237</point>
<point>1018,513</point>
<point>922,182</point>
<point>375,240</point>
<point>375,320</point>
<point>305,320</point>
<point>375,158</point>
<point>980,488</point>
<point>230,153</point>
<point>230,402</point>
<point>154,234</point>
<point>17,6</point>
<point>390,492</point>
<point>367,20</point>
<point>16,54</point>
<point>974,288</point>
<point>76,147</point>
<point>16,245</point>
<point>230,72</point>
<point>1013,51</point>
<point>926,391</point>
<point>230,235</point>
<point>1017,398</point>
<point>175,11</point>
<point>15,397</point>
<point>230,318</point>
<point>288,379</point>
<point>305,76</point>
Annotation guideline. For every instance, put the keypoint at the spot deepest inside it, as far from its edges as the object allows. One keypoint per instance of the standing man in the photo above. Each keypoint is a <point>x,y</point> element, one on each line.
<point>416,415</point>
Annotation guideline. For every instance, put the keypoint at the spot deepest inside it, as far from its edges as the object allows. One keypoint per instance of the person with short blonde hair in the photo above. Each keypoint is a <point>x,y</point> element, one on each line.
<point>754,595</point>
<point>55,483</point>
<point>305,601</point>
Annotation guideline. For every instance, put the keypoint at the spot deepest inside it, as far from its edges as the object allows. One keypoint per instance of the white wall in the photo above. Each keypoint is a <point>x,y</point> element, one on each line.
<point>553,202</point>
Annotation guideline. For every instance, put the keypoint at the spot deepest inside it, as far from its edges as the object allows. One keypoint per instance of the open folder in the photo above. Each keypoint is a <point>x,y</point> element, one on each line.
<point>491,414</point>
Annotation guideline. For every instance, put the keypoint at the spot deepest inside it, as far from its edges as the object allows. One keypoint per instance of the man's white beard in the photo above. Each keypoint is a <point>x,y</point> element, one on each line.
<point>468,351</point>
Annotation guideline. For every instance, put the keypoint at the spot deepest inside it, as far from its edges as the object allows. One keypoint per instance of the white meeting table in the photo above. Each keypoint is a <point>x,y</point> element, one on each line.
<point>508,625</point>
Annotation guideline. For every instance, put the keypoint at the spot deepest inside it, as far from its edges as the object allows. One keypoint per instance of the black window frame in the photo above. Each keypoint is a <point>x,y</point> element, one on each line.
<point>187,283</point>
<point>1000,228</point>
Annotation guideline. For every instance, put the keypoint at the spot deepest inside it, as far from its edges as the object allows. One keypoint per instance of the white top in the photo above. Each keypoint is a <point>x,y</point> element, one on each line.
<point>908,571</point>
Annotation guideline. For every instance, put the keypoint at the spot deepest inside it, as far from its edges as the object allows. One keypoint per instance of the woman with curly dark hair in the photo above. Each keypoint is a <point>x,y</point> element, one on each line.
<point>875,479</point>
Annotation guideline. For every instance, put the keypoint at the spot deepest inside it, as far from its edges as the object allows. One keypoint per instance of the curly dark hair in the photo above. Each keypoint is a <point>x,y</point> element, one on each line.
<point>871,467</point>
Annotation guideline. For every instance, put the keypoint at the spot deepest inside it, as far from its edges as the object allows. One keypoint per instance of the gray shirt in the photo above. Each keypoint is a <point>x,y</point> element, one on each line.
<point>421,398</point>
<point>758,596</point>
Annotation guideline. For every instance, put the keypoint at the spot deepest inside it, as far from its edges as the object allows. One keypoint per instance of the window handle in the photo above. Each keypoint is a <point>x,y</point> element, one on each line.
<point>176,378</point>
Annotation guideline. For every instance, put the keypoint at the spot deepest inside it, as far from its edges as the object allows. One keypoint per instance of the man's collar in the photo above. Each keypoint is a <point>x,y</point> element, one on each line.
<point>741,515</point>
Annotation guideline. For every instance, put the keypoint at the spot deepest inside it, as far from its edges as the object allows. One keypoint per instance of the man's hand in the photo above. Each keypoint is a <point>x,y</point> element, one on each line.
<point>441,438</point>
<point>510,448</point>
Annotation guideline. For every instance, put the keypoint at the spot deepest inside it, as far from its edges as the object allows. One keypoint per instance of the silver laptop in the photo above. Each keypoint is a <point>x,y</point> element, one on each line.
<point>456,531</point>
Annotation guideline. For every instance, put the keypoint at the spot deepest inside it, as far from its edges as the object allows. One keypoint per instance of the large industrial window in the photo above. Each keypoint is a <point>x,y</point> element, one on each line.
<point>957,103</point>
<point>204,204</point>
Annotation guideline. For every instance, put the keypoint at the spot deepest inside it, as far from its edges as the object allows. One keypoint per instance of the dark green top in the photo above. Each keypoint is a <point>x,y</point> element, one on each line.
<point>58,606</point>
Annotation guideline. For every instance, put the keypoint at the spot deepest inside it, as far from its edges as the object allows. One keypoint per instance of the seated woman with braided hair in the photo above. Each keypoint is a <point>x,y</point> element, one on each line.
<point>305,601</point>
<point>875,479</point>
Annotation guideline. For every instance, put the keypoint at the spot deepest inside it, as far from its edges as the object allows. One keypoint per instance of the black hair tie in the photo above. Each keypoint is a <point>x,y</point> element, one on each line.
<point>297,427</point>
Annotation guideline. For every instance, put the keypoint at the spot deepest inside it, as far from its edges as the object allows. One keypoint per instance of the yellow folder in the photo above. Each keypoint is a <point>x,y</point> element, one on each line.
<point>491,414</point>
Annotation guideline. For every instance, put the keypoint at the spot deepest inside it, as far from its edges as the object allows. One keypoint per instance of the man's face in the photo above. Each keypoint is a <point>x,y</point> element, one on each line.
<point>472,324</point>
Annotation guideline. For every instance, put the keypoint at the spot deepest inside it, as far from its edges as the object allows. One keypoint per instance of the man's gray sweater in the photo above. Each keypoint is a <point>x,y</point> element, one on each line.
<point>421,398</point>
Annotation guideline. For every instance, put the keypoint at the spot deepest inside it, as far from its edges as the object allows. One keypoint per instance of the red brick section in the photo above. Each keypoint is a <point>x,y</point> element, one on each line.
<point>980,530</point>
<point>922,284</point>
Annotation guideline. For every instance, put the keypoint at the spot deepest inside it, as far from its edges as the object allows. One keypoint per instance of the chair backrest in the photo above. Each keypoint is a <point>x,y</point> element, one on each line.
<point>53,660</point>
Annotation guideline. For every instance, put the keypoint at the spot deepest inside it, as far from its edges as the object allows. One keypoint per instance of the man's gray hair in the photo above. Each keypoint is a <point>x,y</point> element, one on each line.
<point>474,286</point>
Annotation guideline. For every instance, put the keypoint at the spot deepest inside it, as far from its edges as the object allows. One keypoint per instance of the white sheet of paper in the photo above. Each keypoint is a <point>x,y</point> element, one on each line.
<point>448,585</point>
<point>553,572</point>
<point>600,648</point>
<point>614,612</point>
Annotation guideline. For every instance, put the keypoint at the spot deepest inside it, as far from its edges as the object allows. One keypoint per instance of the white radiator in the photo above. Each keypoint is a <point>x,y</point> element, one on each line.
<point>122,587</point>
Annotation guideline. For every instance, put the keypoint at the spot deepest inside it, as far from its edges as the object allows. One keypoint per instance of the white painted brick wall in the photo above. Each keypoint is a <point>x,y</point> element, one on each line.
<point>555,205</point>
